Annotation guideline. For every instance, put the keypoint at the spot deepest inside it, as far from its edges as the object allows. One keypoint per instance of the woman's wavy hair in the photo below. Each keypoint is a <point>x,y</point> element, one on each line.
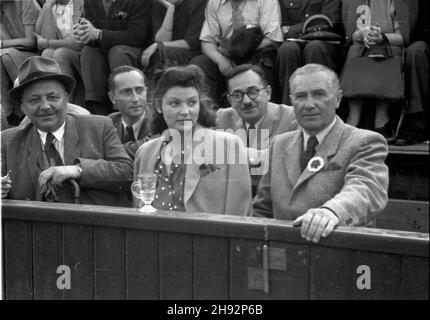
<point>182,76</point>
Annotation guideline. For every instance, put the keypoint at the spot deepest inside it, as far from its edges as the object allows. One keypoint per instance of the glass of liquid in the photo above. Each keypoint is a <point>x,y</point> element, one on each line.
<point>144,189</point>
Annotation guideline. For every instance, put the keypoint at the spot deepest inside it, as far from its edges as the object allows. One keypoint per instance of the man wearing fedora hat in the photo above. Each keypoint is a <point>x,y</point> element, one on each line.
<point>40,158</point>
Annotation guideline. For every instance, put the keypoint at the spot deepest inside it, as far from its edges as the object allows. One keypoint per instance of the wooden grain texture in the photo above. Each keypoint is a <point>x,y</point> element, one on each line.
<point>385,275</point>
<point>176,266</point>
<point>109,267</point>
<point>210,268</point>
<point>414,278</point>
<point>405,215</point>
<point>47,257</point>
<point>18,261</point>
<point>141,265</point>
<point>78,256</point>
<point>330,273</point>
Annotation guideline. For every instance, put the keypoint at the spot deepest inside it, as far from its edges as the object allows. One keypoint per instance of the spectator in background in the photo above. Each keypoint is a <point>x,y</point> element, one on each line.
<point>328,173</point>
<point>223,18</point>
<point>192,178</point>
<point>417,72</point>
<point>396,20</point>
<point>54,32</point>
<point>17,24</point>
<point>252,116</point>
<point>128,94</point>
<point>292,55</point>
<point>114,33</point>
<point>177,24</point>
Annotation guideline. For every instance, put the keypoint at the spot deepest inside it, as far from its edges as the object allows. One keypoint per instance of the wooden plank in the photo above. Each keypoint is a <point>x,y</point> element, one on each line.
<point>414,278</point>
<point>293,283</point>
<point>385,276</point>
<point>47,257</point>
<point>405,215</point>
<point>330,273</point>
<point>78,256</point>
<point>18,273</point>
<point>210,267</point>
<point>141,264</point>
<point>176,266</point>
<point>417,149</point>
<point>109,256</point>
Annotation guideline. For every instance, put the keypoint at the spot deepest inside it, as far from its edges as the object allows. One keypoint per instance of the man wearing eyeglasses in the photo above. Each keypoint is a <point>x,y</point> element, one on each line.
<point>251,115</point>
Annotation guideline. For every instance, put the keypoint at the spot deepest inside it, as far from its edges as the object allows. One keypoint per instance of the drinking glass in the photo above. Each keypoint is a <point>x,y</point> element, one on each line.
<point>144,189</point>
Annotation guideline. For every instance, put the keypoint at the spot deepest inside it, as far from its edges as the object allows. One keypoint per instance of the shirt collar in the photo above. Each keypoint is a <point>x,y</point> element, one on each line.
<point>320,136</point>
<point>58,134</point>
<point>256,125</point>
<point>224,1</point>
<point>136,125</point>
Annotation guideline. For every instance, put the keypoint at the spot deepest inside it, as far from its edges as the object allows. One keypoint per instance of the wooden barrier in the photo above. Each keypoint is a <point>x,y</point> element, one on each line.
<point>117,253</point>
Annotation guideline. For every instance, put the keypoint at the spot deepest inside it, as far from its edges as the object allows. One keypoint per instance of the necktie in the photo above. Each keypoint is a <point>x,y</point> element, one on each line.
<point>237,19</point>
<point>129,134</point>
<point>107,4</point>
<point>51,152</point>
<point>309,152</point>
<point>251,127</point>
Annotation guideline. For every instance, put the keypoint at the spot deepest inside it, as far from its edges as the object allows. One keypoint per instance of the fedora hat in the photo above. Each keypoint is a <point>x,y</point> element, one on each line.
<point>38,68</point>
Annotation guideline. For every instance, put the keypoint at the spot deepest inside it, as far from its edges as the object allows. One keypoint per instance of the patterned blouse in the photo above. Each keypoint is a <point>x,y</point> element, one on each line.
<point>169,194</point>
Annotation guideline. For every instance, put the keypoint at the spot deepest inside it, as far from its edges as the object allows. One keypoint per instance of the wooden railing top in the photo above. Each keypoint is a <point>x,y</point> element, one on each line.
<point>380,240</point>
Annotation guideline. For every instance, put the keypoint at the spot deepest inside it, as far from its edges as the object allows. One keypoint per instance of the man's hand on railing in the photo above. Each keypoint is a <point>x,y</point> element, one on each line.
<point>316,223</point>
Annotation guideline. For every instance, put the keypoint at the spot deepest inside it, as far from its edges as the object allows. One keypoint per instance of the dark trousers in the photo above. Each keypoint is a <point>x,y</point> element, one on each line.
<point>417,75</point>
<point>216,82</point>
<point>96,64</point>
<point>292,55</point>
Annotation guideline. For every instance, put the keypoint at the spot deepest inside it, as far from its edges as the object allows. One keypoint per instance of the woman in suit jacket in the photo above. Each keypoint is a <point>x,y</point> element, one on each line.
<point>192,177</point>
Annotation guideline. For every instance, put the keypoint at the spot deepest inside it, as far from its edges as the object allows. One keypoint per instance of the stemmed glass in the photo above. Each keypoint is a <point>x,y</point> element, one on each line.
<point>144,189</point>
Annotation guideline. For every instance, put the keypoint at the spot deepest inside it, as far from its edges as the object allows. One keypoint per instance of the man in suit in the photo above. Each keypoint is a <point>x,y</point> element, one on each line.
<point>39,159</point>
<point>252,116</point>
<point>292,55</point>
<point>128,92</point>
<point>327,173</point>
<point>114,33</point>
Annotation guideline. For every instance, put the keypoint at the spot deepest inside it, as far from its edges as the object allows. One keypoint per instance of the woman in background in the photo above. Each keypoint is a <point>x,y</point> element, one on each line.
<point>198,169</point>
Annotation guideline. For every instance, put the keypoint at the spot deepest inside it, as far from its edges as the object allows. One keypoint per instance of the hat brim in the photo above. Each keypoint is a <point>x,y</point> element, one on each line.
<point>16,93</point>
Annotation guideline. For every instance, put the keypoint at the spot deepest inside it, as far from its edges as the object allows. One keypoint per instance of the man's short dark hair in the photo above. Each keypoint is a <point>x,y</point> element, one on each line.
<point>122,69</point>
<point>242,68</point>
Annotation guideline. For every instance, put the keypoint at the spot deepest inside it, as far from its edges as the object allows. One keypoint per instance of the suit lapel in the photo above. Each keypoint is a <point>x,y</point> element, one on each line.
<point>294,151</point>
<point>71,141</point>
<point>34,162</point>
<point>325,150</point>
<point>305,4</point>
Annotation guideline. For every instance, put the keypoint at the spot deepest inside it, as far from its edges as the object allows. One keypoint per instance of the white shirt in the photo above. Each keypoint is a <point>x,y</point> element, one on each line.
<point>320,136</point>
<point>136,125</point>
<point>59,139</point>
<point>256,125</point>
<point>63,15</point>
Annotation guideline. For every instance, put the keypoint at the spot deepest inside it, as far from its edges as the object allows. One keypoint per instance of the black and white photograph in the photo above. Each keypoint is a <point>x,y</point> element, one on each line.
<point>214,154</point>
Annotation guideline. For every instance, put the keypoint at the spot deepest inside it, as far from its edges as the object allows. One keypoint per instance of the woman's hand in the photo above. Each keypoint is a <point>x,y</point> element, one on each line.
<point>147,54</point>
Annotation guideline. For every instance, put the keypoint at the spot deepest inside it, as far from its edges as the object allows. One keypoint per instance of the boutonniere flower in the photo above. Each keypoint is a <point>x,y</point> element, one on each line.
<point>121,15</point>
<point>315,164</point>
<point>205,169</point>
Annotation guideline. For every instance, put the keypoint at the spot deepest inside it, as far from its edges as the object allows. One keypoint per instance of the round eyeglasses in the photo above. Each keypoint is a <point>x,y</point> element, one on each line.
<point>251,92</point>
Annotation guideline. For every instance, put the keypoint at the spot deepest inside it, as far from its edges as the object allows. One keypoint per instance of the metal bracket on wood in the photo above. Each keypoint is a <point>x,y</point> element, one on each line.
<point>272,259</point>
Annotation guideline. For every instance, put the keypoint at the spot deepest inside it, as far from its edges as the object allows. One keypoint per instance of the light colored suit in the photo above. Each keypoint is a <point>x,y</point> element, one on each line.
<point>226,190</point>
<point>278,119</point>
<point>89,140</point>
<point>353,182</point>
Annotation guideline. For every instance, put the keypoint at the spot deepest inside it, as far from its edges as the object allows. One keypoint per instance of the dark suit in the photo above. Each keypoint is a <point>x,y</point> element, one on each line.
<point>89,140</point>
<point>125,31</point>
<point>143,136</point>
<point>292,55</point>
